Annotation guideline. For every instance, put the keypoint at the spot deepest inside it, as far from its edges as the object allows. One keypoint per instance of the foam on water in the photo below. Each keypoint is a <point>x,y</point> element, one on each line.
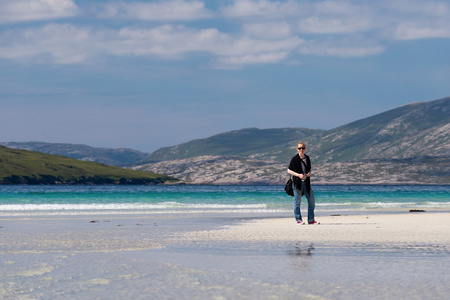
<point>127,206</point>
<point>194,199</point>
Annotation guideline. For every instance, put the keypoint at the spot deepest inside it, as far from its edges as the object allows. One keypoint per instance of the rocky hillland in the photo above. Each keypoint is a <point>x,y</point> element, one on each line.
<point>406,145</point>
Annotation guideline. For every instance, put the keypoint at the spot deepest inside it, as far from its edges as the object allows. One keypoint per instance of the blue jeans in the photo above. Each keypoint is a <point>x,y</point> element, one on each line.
<point>297,200</point>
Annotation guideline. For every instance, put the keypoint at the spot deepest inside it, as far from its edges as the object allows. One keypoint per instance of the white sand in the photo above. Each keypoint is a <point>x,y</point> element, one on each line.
<point>148,257</point>
<point>428,228</point>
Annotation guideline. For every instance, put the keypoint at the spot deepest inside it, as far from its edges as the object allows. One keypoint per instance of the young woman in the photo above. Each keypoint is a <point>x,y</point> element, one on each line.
<point>300,169</point>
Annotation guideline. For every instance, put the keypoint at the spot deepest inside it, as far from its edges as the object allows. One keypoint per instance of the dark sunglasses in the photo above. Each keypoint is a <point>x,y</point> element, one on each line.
<point>301,148</point>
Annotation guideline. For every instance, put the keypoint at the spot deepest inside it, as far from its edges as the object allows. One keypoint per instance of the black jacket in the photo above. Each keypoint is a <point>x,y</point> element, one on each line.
<point>295,165</point>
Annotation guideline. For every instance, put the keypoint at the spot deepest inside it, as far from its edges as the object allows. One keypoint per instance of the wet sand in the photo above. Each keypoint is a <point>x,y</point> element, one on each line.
<point>384,228</point>
<point>225,256</point>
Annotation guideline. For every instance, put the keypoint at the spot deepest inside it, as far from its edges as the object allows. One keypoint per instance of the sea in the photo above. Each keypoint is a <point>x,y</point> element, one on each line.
<point>124,242</point>
<point>159,199</point>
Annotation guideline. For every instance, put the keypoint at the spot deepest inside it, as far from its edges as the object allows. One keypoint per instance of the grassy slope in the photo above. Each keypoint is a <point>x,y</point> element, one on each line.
<point>403,132</point>
<point>116,157</point>
<point>22,166</point>
<point>244,142</point>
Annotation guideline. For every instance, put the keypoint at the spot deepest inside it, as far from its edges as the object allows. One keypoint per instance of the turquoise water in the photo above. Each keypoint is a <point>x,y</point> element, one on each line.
<point>149,257</point>
<point>187,198</point>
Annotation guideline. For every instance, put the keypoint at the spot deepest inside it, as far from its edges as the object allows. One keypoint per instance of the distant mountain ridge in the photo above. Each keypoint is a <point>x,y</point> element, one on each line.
<point>406,145</point>
<point>244,142</point>
<point>408,131</point>
<point>397,146</point>
<point>418,129</point>
<point>115,157</point>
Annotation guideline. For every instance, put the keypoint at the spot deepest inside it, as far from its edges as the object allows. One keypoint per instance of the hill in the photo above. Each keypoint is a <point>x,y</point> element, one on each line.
<point>244,142</point>
<point>116,157</point>
<point>247,171</point>
<point>406,145</point>
<point>28,167</point>
<point>412,130</point>
<point>418,129</point>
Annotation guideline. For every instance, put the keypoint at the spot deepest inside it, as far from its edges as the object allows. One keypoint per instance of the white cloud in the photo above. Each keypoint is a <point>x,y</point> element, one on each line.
<point>167,41</point>
<point>347,47</point>
<point>244,45</point>
<point>338,17</point>
<point>341,7</point>
<point>412,31</point>
<point>311,17</point>
<point>68,44</point>
<point>174,41</point>
<point>33,10</point>
<point>333,25</point>
<point>245,8</point>
<point>418,7</point>
<point>62,44</point>
<point>415,19</point>
<point>274,33</point>
<point>388,19</point>
<point>232,62</point>
<point>289,8</point>
<point>267,30</point>
<point>156,11</point>
<point>261,8</point>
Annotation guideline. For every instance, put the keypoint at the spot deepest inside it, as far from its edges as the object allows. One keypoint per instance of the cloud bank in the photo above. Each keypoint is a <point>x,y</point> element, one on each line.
<point>232,35</point>
<point>12,11</point>
<point>156,11</point>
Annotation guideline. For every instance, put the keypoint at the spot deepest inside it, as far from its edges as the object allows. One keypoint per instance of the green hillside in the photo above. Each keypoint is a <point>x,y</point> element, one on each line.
<point>414,130</point>
<point>245,142</point>
<point>417,129</point>
<point>28,167</point>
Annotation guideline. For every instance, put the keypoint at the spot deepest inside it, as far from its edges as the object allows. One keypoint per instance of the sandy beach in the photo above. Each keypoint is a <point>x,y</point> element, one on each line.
<point>239,256</point>
<point>403,228</point>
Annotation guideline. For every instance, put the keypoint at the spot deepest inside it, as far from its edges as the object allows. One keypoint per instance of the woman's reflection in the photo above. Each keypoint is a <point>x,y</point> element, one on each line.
<point>301,251</point>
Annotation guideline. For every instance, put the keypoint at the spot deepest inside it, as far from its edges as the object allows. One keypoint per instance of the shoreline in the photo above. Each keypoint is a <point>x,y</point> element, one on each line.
<point>231,213</point>
<point>416,227</point>
<point>386,226</point>
<point>228,256</point>
<point>316,183</point>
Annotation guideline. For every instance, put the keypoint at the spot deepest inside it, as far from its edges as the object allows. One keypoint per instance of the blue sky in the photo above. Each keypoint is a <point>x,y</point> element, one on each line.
<point>150,74</point>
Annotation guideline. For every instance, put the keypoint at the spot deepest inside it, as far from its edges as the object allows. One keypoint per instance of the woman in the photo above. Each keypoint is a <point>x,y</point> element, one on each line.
<point>300,169</point>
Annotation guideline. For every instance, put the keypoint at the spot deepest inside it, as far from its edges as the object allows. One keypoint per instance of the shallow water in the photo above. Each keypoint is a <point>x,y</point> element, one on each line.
<point>126,242</point>
<point>292,271</point>
<point>194,199</point>
<point>146,257</point>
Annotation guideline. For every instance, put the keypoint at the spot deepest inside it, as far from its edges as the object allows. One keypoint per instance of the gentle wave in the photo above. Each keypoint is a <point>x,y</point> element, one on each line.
<point>195,207</point>
<point>214,199</point>
<point>127,206</point>
<point>383,205</point>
